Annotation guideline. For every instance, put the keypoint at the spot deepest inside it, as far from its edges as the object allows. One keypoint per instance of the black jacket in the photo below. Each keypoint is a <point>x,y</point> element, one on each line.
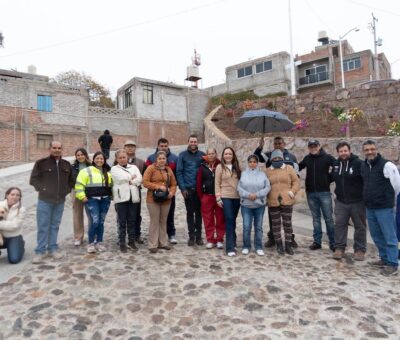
<point>75,170</point>
<point>51,181</point>
<point>348,180</point>
<point>318,167</point>
<point>105,141</point>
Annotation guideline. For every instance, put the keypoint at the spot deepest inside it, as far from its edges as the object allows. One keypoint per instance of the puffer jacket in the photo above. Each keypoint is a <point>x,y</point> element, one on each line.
<point>253,181</point>
<point>124,187</point>
<point>91,183</point>
<point>12,225</point>
<point>187,167</point>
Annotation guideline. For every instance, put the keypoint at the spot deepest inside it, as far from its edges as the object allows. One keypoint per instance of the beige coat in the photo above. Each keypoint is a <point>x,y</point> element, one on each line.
<point>282,181</point>
<point>154,178</point>
<point>226,183</point>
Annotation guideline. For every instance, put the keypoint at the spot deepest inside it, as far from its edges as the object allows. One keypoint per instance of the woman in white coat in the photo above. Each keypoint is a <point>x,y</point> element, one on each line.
<point>12,215</point>
<point>127,179</point>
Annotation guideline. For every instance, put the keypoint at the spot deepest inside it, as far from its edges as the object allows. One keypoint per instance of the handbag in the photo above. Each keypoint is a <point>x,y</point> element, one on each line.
<point>159,195</point>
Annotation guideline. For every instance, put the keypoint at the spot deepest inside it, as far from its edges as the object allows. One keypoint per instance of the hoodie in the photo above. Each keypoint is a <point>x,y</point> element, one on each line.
<point>253,181</point>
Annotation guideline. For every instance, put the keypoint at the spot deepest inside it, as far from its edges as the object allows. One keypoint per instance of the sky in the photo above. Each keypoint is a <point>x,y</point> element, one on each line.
<point>114,41</point>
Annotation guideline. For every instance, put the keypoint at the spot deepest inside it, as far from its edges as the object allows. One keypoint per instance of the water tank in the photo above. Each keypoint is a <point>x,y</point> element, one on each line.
<point>192,72</point>
<point>323,37</point>
<point>32,69</point>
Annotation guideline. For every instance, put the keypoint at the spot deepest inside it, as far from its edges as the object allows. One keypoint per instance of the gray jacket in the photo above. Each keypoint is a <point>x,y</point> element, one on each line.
<point>253,181</point>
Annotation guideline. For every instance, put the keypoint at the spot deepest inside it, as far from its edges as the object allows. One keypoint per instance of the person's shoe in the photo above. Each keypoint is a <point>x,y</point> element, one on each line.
<point>39,258</point>
<point>100,246</point>
<point>91,248</point>
<point>153,250</point>
<point>288,248</point>
<point>231,254</point>
<point>338,254</point>
<point>270,243</point>
<point>380,263</point>
<point>77,243</point>
<point>210,245</point>
<point>123,248</point>
<point>139,240</point>
<point>191,242</point>
<point>220,245</point>
<point>57,254</point>
<point>245,251</point>
<point>173,240</point>
<point>279,248</point>
<point>199,242</point>
<point>166,247</point>
<point>359,255</point>
<point>389,271</point>
<point>315,246</point>
<point>132,246</point>
<point>260,252</point>
<point>332,248</point>
<point>294,243</point>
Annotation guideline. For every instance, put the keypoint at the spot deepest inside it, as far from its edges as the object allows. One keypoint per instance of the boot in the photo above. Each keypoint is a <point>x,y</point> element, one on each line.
<point>294,243</point>
<point>279,247</point>
<point>270,243</point>
<point>132,246</point>
<point>289,248</point>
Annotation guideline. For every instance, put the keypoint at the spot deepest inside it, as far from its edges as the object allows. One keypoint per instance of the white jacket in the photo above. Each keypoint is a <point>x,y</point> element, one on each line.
<point>12,225</point>
<point>123,184</point>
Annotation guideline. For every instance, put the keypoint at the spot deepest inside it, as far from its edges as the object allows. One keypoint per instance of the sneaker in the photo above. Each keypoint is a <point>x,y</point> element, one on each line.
<point>380,263</point>
<point>39,258</point>
<point>173,240</point>
<point>77,243</point>
<point>123,248</point>
<point>139,240</point>
<point>210,245</point>
<point>389,271</point>
<point>199,242</point>
<point>245,251</point>
<point>166,247</point>
<point>100,246</point>
<point>220,245</point>
<point>359,255</point>
<point>315,246</point>
<point>153,250</point>
<point>57,255</point>
<point>260,252</point>
<point>332,248</point>
<point>132,246</point>
<point>338,254</point>
<point>91,248</point>
<point>191,242</point>
<point>231,253</point>
<point>270,243</point>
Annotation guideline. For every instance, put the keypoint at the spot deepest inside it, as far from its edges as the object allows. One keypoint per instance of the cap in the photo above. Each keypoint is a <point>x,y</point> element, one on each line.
<point>313,142</point>
<point>130,142</point>
<point>276,154</point>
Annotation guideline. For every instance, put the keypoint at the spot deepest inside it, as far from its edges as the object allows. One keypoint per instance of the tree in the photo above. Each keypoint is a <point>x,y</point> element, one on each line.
<point>99,95</point>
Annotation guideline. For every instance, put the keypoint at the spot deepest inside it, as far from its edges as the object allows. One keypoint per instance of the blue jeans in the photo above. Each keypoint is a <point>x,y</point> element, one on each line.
<point>15,248</point>
<point>231,209</point>
<point>48,217</point>
<point>248,215</point>
<point>321,201</point>
<point>381,223</point>
<point>96,211</point>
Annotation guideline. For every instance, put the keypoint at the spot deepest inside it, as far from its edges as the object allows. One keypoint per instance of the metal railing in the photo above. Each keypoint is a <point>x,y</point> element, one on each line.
<point>314,78</point>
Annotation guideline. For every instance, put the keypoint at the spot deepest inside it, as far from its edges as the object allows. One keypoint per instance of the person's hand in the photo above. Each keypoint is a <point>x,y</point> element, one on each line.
<point>85,200</point>
<point>261,143</point>
<point>163,188</point>
<point>170,195</point>
<point>252,197</point>
<point>185,194</point>
<point>133,176</point>
<point>291,194</point>
<point>220,203</point>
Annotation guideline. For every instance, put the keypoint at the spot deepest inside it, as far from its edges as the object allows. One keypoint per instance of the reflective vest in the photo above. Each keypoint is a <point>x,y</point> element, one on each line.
<point>91,183</point>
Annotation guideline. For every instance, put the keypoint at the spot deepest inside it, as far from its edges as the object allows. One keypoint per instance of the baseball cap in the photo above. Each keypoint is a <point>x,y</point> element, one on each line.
<point>130,142</point>
<point>313,142</point>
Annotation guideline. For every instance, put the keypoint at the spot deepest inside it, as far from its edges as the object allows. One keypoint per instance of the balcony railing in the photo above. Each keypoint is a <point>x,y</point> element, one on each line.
<point>314,78</point>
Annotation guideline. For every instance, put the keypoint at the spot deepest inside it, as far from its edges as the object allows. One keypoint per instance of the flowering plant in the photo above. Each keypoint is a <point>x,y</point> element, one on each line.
<point>394,129</point>
<point>300,124</point>
<point>348,116</point>
<point>247,104</point>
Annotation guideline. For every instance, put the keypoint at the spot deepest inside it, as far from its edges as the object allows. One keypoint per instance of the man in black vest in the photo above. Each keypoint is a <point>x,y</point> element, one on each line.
<point>349,203</point>
<point>381,185</point>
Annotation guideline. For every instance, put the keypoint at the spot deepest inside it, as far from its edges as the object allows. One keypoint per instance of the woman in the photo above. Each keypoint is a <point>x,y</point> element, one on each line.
<point>227,175</point>
<point>81,162</point>
<point>284,186</point>
<point>212,213</point>
<point>11,225</point>
<point>161,184</point>
<point>93,188</point>
<point>253,188</point>
<point>126,182</point>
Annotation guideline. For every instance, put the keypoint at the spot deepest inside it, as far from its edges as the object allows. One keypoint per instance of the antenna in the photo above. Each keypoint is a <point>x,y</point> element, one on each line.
<point>1,39</point>
<point>377,42</point>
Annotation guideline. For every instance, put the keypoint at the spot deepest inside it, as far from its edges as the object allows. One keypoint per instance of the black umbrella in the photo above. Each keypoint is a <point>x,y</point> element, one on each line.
<point>264,121</point>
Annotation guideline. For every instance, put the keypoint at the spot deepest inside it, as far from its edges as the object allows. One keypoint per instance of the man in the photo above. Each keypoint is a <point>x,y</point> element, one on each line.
<point>105,141</point>
<point>172,160</point>
<point>288,158</point>
<point>381,184</point>
<point>188,164</point>
<point>52,179</point>
<point>318,179</point>
<point>346,173</point>
<point>130,148</point>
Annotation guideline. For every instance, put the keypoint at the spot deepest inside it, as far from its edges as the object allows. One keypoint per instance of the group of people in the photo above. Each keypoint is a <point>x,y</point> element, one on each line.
<point>214,190</point>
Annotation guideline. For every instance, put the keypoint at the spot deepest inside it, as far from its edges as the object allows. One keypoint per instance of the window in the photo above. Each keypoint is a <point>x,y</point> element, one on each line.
<point>43,141</point>
<point>315,75</point>
<point>128,97</point>
<point>245,71</point>
<point>148,94</point>
<point>45,103</point>
<point>265,66</point>
<point>351,64</point>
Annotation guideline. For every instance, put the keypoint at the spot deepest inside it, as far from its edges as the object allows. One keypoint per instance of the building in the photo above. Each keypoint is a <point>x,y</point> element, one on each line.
<point>321,69</point>
<point>266,75</point>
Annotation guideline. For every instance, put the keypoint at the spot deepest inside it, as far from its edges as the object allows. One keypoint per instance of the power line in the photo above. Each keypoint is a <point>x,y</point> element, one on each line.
<point>123,28</point>
<point>374,8</point>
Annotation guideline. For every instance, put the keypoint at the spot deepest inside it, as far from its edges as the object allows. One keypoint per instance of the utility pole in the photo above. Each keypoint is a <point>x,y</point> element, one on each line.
<point>372,26</point>
<point>1,39</point>
<point>292,71</point>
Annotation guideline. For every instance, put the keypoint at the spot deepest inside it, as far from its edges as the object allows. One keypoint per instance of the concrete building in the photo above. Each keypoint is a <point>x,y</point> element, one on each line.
<point>320,69</point>
<point>266,75</point>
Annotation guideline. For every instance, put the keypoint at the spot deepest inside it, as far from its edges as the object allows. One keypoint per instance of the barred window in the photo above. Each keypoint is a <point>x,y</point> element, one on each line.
<point>148,94</point>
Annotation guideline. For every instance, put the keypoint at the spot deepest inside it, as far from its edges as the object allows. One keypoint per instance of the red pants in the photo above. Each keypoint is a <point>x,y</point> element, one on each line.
<point>213,218</point>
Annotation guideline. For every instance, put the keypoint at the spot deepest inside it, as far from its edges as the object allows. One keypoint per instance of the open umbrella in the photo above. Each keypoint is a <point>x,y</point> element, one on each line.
<point>264,121</point>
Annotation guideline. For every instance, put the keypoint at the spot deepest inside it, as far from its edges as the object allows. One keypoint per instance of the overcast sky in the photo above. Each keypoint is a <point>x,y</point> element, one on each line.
<point>116,40</point>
